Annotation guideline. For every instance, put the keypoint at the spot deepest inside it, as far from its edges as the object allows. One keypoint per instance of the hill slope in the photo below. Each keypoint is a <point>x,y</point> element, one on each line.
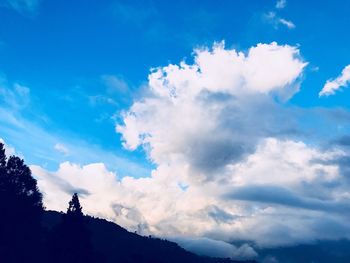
<point>115,244</point>
<point>335,251</point>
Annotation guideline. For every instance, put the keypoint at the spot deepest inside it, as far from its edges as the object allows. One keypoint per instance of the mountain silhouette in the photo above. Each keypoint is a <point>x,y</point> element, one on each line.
<point>112,243</point>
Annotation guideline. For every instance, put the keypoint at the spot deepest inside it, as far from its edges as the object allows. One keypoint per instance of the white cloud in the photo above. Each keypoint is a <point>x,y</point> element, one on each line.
<point>92,182</point>
<point>287,23</point>
<point>280,4</point>
<point>230,71</point>
<point>61,148</point>
<point>292,157</point>
<point>332,86</point>
<point>223,88</point>
<point>272,18</point>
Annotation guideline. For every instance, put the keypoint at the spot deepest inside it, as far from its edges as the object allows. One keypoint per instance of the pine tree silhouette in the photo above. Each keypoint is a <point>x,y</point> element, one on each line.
<point>74,208</point>
<point>21,209</point>
<point>70,241</point>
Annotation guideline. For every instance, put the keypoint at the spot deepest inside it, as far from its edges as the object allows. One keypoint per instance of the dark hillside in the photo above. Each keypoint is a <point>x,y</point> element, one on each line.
<point>115,244</point>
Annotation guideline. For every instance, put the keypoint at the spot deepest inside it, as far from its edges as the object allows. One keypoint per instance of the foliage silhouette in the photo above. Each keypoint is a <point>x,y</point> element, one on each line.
<point>21,209</point>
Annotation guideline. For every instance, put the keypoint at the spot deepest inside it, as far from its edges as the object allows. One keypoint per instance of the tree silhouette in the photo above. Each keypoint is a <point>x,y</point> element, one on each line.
<point>21,209</point>
<point>74,208</point>
<point>70,241</point>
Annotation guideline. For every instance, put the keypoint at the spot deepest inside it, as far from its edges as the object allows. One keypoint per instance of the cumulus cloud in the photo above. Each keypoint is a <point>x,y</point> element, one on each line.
<point>222,93</point>
<point>333,85</point>
<point>226,166</point>
<point>230,71</point>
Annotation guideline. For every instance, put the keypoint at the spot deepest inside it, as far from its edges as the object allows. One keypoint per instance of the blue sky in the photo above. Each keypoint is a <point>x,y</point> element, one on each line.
<point>76,86</point>
<point>61,51</point>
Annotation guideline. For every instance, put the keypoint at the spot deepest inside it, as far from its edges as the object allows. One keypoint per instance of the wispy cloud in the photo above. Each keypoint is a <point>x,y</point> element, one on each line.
<point>37,144</point>
<point>272,18</point>
<point>116,91</point>
<point>280,4</point>
<point>23,127</point>
<point>287,23</point>
<point>133,12</point>
<point>15,96</point>
<point>115,84</point>
<point>61,148</point>
<point>23,6</point>
<point>333,85</point>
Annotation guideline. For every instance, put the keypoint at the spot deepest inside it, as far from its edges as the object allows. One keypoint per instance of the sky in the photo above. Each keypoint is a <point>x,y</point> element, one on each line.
<point>221,124</point>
